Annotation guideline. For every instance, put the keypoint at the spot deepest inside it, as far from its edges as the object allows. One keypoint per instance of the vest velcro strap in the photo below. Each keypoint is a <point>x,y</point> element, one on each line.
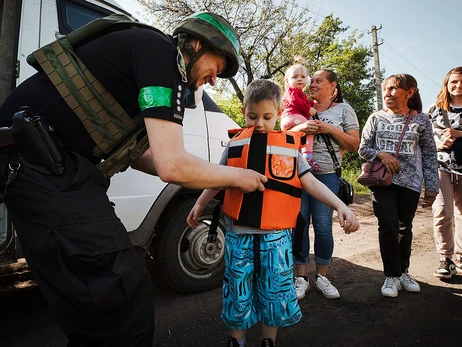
<point>283,188</point>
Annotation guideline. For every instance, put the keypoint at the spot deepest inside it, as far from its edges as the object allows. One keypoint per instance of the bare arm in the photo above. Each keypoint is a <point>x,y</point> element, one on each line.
<point>145,163</point>
<point>171,162</point>
<point>322,193</point>
<point>198,207</point>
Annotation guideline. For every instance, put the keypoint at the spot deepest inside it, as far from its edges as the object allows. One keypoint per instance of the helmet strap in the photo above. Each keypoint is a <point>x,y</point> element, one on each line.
<point>192,52</point>
<point>189,48</point>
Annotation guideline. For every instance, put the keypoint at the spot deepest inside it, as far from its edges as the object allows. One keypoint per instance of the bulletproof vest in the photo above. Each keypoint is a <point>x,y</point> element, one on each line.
<point>119,139</point>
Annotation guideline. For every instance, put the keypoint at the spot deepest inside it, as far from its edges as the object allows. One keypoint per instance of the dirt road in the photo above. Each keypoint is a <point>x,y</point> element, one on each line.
<point>361,317</point>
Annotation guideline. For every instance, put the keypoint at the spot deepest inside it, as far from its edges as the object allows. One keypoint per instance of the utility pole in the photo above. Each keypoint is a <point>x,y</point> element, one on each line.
<point>378,75</point>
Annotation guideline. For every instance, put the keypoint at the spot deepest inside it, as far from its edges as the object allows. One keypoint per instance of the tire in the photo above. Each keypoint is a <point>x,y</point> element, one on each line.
<point>185,260</point>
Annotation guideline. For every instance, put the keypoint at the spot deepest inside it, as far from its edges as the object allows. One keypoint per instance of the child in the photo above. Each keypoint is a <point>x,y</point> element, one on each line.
<point>297,108</point>
<point>258,282</point>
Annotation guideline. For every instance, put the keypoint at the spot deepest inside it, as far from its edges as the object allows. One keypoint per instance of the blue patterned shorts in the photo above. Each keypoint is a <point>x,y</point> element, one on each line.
<point>267,297</point>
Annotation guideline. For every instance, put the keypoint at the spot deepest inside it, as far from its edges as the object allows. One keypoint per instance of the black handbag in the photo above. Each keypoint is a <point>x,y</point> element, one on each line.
<point>346,190</point>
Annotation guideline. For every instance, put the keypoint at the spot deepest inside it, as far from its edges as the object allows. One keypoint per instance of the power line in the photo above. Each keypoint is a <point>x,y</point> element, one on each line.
<point>399,67</point>
<point>394,51</point>
<point>409,62</point>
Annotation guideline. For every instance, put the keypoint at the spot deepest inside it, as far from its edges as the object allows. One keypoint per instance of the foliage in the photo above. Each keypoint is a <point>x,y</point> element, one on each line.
<point>351,175</point>
<point>272,33</point>
<point>231,106</point>
<point>265,29</point>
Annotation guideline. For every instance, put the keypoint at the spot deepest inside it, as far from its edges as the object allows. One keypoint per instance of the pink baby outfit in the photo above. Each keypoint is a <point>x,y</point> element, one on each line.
<point>296,111</point>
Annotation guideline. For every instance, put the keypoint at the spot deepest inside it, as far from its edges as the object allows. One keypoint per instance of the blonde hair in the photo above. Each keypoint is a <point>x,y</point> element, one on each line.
<point>444,98</point>
<point>298,63</point>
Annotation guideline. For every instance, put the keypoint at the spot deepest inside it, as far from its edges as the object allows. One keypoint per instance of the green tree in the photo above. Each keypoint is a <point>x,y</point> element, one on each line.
<point>232,107</point>
<point>263,26</point>
<point>272,33</point>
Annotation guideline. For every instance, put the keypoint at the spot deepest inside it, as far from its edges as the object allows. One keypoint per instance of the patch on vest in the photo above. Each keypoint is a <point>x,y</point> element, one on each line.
<point>178,100</point>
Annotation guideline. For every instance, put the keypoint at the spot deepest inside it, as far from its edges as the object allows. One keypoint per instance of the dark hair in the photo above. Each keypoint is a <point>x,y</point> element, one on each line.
<point>407,82</point>
<point>332,77</point>
<point>260,90</point>
<point>443,98</point>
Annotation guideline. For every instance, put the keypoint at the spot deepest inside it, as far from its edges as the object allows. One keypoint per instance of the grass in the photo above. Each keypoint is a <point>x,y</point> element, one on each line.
<point>351,175</point>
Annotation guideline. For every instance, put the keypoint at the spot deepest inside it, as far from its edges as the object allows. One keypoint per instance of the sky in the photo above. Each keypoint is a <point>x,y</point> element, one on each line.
<point>418,37</point>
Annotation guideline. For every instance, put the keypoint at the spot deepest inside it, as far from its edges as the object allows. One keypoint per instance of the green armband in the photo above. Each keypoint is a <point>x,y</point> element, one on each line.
<point>154,97</point>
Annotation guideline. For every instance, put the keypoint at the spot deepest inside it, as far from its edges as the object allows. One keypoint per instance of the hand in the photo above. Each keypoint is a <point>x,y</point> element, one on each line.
<point>347,220</point>
<point>194,215</point>
<point>323,127</point>
<point>251,181</point>
<point>390,162</point>
<point>309,127</point>
<point>428,199</point>
<point>445,142</point>
<point>451,133</point>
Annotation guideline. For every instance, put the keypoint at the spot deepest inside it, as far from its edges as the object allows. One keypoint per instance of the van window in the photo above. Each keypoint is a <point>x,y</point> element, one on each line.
<point>74,14</point>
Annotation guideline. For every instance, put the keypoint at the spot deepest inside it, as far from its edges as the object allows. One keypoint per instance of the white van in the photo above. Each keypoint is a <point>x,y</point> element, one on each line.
<point>154,212</point>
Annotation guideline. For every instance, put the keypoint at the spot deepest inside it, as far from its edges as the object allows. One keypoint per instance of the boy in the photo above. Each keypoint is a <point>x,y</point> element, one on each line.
<point>258,282</point>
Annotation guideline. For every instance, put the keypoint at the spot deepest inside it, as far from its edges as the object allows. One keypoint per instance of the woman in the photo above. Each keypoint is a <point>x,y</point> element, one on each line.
<point>448,204</point>
<point>395,205</point>
<point>338,120</point>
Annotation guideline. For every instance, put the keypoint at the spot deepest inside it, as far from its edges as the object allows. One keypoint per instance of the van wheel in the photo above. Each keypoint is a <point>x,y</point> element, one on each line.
<point>186,261</point>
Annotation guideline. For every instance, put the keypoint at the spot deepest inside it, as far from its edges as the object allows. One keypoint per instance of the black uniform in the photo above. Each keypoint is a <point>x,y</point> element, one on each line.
<point>76,246</point>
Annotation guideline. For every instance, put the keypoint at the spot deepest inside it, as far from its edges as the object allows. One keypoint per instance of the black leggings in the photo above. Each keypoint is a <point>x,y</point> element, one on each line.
<point>81,256</point>
<point>395,208</point>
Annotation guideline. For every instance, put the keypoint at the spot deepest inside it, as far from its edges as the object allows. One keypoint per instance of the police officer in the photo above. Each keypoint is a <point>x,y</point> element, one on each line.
<point>97,96</point>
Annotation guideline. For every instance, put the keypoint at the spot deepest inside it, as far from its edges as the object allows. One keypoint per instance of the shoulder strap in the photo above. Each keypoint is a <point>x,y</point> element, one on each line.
<point>330,148</point>
<point>444,113</point>
<point>409,116</point>
<point>97,28</point>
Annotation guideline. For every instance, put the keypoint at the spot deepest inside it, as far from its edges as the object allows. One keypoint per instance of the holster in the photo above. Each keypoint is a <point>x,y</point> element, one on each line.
<point>34,143</point>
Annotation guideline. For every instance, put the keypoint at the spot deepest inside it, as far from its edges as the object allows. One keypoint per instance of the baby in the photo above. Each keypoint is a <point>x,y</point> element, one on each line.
<point>297,108</point>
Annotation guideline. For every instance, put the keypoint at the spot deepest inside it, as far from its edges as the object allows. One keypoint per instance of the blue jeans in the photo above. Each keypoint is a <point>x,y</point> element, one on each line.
<point>320,216</point>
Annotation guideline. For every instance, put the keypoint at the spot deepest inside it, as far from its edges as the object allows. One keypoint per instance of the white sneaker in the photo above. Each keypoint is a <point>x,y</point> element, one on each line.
<point>301,287</point>
<point>391,286</point>
<point>326,288</point>
<point>409,283</point>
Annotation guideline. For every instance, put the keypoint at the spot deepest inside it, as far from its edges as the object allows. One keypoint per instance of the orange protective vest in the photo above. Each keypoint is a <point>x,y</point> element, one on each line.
<point>275,155</point>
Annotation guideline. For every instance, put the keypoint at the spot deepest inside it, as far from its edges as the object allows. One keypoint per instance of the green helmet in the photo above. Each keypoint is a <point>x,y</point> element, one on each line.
<point>216,32</point>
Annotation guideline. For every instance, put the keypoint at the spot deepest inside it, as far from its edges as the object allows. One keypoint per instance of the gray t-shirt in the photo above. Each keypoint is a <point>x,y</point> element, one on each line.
<point>303,168</point>
<point>343,117</point>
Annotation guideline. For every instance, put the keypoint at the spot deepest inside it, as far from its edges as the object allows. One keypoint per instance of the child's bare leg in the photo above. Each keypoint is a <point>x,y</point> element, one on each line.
<point>268,332</point>
<point>237,334</point>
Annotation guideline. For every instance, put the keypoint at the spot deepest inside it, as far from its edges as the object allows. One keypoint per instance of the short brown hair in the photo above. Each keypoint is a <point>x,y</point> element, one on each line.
<point>260,90</point>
